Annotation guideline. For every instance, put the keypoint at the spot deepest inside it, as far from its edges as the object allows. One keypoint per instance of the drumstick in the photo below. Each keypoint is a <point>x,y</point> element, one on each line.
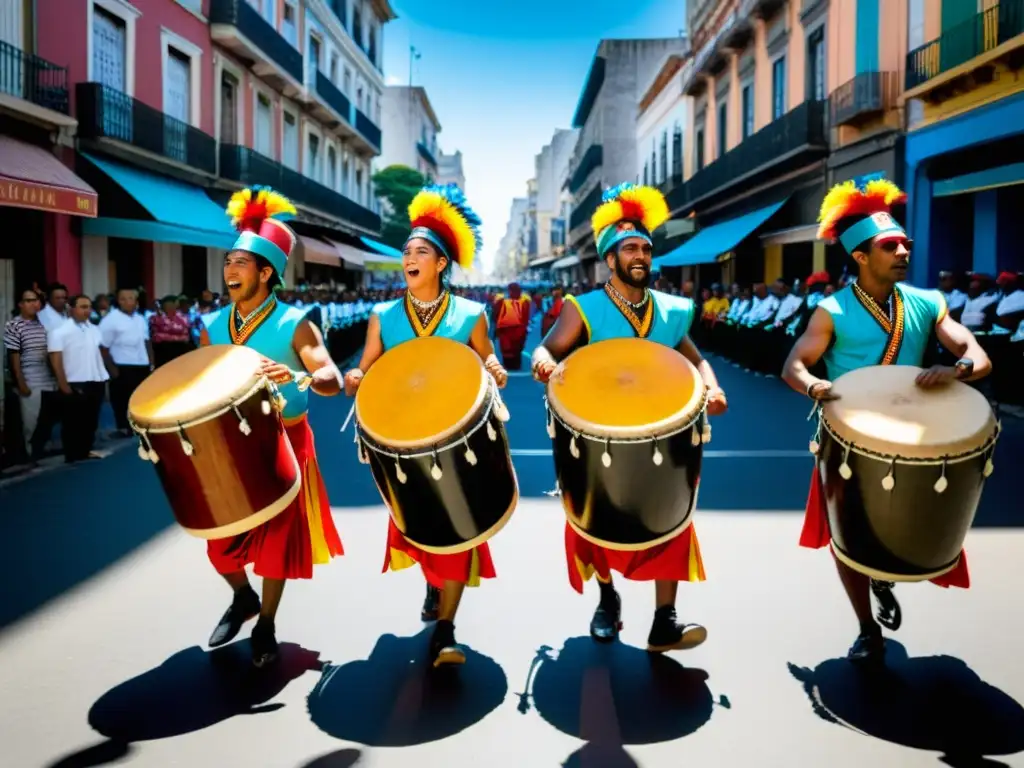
<point>351,412</point>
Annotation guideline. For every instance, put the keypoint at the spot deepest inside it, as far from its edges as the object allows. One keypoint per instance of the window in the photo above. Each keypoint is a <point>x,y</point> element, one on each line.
<point>332,168</point>
<point>334,68</point>
<point>377,120</point>
<point>288,29</point>
<point>357,25</point>
<point>372,47</point>
<point>677,153</point>
<point>816,65</point>
<point>664,156</point>
<point>698,148</point>
<point>646,182</point>
<point>344,176</point>
<point>347,88</point>
<point>359,185</point>
<point>359,98</point>
<point>228,108</point>
<point>747,107</point>
<point>264,126</point>
<point>291,142</point>
<point>313,156</point>
<point>340,11</point>
<point>779,88</point>
<point>109,50</point>
<point>723,125</point>
<point>177,103</point>
<point>266,9</point>
<point>314,57</point>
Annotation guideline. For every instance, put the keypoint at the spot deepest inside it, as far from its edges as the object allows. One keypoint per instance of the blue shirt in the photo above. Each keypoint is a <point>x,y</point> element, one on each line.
<point>672,317</point>
<point>457,322</point>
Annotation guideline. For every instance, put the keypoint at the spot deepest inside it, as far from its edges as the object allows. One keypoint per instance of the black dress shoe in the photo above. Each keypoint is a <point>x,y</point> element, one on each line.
<point>868,648</point>
<point>244,606</point>
<point>444,651</point>
<point>431,603</point>
<point>264,643</point>
<point>607,621</point>
<point>889,614</point>
<point>667,634</point>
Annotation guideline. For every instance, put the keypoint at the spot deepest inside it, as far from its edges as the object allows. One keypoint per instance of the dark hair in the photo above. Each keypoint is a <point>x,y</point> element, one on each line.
<point>74,299</point>
<point>275,279</point>
<point>28,289</point>
<point>57,287</point>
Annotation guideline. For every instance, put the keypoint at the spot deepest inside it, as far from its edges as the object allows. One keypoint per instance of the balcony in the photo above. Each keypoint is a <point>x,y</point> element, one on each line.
<point>865,96</point>
<point>966,49</point>
<point>32,79</point>
<point>583,210</point>
<point>426,154</point>
<point>330,106</point>
<point>109,115</point>
<point>592,158</point>
<point>368,129</point>
<point>795,139</point>
<point>239,27</point>
<point>248,167</point>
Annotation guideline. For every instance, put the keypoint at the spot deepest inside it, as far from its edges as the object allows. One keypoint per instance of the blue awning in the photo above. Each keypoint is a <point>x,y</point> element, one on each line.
<point>393,254</point>
<point>711,242</point>
<point>991,178</point>
<point>183,212</point>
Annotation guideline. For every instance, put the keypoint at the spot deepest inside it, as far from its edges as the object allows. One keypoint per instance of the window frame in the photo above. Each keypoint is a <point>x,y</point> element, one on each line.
<point>170,39</point>
<point>127,13</point>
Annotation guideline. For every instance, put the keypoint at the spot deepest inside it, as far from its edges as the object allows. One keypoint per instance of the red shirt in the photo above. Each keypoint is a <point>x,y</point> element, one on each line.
<point>168,328</point>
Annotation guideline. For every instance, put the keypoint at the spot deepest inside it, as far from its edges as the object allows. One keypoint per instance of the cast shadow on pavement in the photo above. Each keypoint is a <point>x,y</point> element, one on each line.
<point>612,695</point>
<point>934,703</point>
<point>395,699</point>
<point>343,758</point>
<point>192,690</point>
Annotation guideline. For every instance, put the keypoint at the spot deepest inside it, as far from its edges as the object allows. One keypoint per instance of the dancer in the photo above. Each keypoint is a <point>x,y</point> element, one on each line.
<point>290,544</point>
<point>513,324</point>
<point>626,307</point>
<point>877,320</point>
<point>444,231</point>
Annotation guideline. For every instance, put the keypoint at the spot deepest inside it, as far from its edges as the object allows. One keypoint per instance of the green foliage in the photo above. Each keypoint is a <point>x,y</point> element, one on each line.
<point>398,185</point>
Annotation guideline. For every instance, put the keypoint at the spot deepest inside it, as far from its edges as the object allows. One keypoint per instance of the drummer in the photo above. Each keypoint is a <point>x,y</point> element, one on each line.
<point>626,308</point>
<point>445,231</point>
<point>877,320</point>
<point>290,544</point>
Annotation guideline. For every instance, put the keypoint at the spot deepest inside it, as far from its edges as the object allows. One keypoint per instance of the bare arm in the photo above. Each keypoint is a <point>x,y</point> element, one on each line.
<point>690,352</point>
<point>807,351</point>
<point>204,337</point>
<point>565,333</point>
<point>961,342</point>
<point>374,347</point>
<point>309,345</point>
<point>19,376</point>
<point>57,363</point>
<point>480,341</point>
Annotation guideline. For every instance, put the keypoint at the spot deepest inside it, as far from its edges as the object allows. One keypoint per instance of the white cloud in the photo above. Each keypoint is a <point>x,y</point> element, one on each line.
<point>392,80</point>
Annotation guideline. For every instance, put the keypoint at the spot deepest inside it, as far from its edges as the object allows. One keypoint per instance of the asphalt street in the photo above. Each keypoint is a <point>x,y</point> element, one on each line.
<point>107,605</point>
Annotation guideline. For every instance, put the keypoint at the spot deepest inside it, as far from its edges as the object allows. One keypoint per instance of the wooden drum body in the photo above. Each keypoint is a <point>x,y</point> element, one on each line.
<point>627,424</point>
<point>431,426</point>
<point>903,470</point>
<point>212,428</point>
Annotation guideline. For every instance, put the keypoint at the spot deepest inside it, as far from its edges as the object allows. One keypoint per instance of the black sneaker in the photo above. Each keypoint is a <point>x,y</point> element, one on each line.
<point>667,634</point>
<point>607,621</point>
<point>889,614</point>
<point>868,648</point>
<point>264,643</point>
<point>431,603</point>
<point>244,606</point>
<point>444,651</point>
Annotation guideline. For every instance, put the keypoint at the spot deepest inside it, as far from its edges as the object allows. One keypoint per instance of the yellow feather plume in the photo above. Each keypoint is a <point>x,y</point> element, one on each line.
<point>248,207</point>
<point>644,204</point>
<point>432,210</point>
<point>847,199</point>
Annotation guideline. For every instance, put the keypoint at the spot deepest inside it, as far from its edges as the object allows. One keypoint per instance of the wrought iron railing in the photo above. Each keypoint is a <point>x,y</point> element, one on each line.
<point>245,18</point>
<point>33,78</point>
<point>331,94</point>
<point>592,158</point>
<point>867,93</point>
<point>368,128</point>
<point>104,112</point>
<point>583,210</point>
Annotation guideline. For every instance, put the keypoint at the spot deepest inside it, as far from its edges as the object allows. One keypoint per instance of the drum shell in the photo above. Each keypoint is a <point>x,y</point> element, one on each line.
<point>468,505</point>
<point>910,533</point>
<point>232,482</point>
<point>634,503</point>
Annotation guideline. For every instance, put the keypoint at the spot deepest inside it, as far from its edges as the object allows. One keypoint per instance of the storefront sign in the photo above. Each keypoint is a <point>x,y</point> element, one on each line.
<point>22,194</point>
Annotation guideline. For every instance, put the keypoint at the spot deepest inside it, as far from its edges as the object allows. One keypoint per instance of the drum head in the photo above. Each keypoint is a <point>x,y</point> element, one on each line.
<point>421,392</point>
<point>626,388</point>
<point>882,410</point>
<point>194,385</point>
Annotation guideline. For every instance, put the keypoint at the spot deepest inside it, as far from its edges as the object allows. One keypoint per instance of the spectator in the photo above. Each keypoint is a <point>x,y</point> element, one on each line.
<point>955,298</point>
<point>78,364</point>
<point>512,325</point>
<point>127,353</point>
<point>56,310</point>
<point>169,332</point>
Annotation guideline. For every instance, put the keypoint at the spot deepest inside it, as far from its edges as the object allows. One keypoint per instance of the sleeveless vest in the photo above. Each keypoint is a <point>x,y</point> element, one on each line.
<point>456,323</point>
<point>670,322</point>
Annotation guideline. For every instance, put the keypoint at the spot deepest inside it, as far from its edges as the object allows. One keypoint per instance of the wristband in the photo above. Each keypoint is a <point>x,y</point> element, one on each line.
<point>964,368</point>
<point>541,355</point>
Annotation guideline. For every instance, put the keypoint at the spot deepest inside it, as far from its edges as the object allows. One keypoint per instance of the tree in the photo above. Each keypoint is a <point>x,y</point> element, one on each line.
<point>397,185</point>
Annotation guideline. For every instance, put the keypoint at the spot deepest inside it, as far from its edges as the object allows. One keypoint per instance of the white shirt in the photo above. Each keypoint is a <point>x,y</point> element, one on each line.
<point>125,336</point>
<point>51,318</point>
<point>973,315</point>
<point>955,299</point>
<point>788,307</point>
<point>763,310</point>
<point>79,345</point>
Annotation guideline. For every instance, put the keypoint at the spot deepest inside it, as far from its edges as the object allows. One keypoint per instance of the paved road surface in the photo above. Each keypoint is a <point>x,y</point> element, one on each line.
<point>107,606</point>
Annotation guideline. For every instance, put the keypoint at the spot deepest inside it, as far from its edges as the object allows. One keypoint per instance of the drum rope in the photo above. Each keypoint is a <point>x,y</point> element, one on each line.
<point>699,414</point>
<point>263,383</point>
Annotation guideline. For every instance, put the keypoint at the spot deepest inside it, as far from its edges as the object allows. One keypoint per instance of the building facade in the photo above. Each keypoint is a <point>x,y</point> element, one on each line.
<point>512,258</point>
<point>605,116</point>
<point>965,112</point>
<point>410,130</point>
<point>551,171</point>
<point>450,171</point>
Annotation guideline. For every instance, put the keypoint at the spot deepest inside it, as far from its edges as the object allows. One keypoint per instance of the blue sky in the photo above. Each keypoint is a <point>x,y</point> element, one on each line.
<point>503,78</point>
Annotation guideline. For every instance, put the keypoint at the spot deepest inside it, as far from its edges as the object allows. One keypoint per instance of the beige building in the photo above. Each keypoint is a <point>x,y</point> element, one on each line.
<point>410,128</point>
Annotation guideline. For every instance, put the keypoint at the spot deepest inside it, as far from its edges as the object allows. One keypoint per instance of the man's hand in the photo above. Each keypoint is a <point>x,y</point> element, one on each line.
<point>276,372</point>
<point>24,390</point>
<point>936,376</point>
<point>717,402</point>
<point>821,391</point>
<point>547,370</point>
<point>352,381</point>
<point>497,370</point>
<point>66,389</point>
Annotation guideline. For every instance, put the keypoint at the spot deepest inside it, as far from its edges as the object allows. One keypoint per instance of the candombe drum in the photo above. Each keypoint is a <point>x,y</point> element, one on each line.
<point>902,470</point>
<point>211,426</point>
<point>627,423</point>
<point>430,424</point>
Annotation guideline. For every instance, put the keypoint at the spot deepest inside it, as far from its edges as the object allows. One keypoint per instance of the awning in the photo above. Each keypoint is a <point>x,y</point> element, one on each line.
<point>383,257</point>
<point>319,252</point>
<point>711,242</point>
<point>541,263</point>
<point>991,178</point>
<point>183,213</point>
<point>566,261</point>
<point>381,249</point>
<point>353,257</point>
<point>34,178</point>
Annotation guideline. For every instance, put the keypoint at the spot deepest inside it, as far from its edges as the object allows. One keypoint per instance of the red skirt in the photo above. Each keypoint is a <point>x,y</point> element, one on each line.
<point>290,544</point>
<point>816,535</point>
<point>675,560</point>
<point>466,567</point>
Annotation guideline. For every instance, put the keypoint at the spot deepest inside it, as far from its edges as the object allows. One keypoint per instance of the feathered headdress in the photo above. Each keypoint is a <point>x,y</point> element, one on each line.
<point>440,214</point>
<point>622,208</point>
<point>259,213</point>
<point>871,204</point>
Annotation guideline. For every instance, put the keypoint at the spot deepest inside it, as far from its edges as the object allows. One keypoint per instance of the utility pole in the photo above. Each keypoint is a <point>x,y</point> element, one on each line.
<point>414,55</point>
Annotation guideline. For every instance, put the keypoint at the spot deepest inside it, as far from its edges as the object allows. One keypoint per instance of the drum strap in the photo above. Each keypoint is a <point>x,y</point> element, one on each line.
<point>418,327</point>
<point>893,323</point>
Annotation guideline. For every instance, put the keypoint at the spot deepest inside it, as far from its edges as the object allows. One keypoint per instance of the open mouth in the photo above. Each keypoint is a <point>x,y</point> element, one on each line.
<point>412,272</point>
<point>234,285</point>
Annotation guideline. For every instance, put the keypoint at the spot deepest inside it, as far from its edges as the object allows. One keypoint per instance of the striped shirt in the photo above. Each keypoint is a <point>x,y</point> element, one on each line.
<point>28,338</point>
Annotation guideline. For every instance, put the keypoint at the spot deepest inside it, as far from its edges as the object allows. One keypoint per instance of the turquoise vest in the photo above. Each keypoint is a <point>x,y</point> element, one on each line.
<point>273,339</point>
<point>859,341</point>
<point>457,324</point>
<point>604,320</point>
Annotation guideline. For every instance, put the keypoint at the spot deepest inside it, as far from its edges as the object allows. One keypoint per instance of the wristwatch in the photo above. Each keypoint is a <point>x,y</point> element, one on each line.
<point>964,368</point>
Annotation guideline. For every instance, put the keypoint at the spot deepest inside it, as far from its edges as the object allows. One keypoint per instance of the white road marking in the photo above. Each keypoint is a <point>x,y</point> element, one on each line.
<point>707,454</point>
